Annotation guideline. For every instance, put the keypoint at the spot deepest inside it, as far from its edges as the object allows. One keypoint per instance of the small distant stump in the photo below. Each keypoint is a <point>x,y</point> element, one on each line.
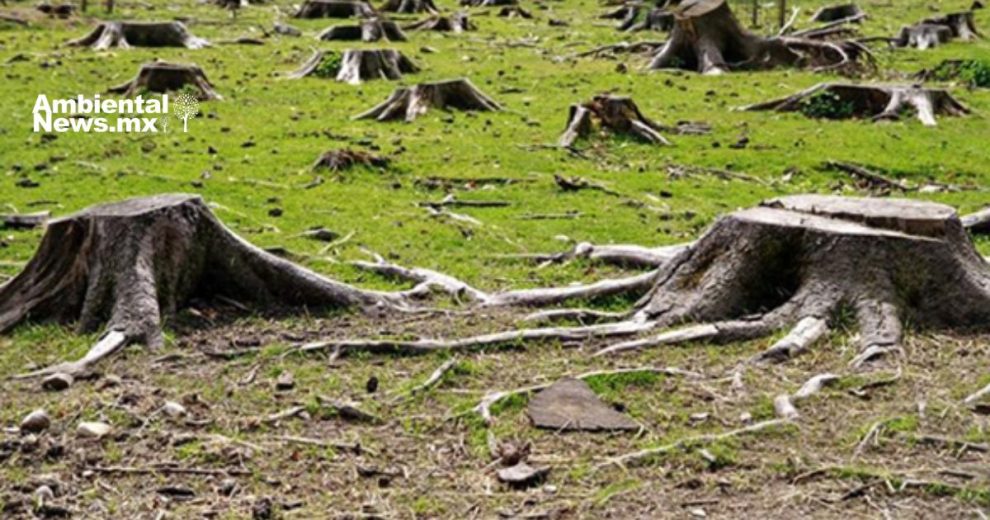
<point>140,34</point>
<point>408,103</point>
<point>160,76</point>
<point>57,10</point>
<point>335,9</point>
<point>340,160</point>
<point>842,101</point>
<point>836,13</point>
<point>409,6</point>
<point>455,23</point>
<point>355,66</point>
<point>514,11</point>
<point>570,404</point>
<point>370,30</point>
<point>617,114</point>
<point>938,30</point>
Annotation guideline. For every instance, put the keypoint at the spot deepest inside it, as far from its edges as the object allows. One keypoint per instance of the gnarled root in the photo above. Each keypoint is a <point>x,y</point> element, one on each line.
<point>345,159</point>
<point>618,114</point>
<point>411,102</point>
<point>455,23</point>
<point>409,6</point>
<point>131,265</point>
<point>370,30</point>
<point>140,34</point>
<point>838,101</point>
<point>160,76</point>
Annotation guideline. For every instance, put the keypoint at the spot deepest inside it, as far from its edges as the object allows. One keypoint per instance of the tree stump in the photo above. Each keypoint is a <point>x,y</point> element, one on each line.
<point>335,9</point>
<point>370,30</point>
<point>160,76</point>
<point>140,34</point>
<point>801,259</point>
<point>514,11</point>
<point>835,13</point>
<point>340,160</point>
<point>411,102</point>
<point>409,6</point>
<point>617,114</point>
<point>933,32</point>
<point>707,38</point>
<point>656,19</point>
<point>455,23</point>
<point>133,264</point>
<point>358,65</point>
<point>843,101</point>
<point>62,11</point>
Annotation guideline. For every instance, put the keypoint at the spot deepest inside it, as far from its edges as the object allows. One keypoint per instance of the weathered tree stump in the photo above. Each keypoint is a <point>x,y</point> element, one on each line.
<point>62,11</point>
<point>617,114</point>
<point>514,11</point>
<point>455,23</point>
<point>835,13</point>
<point>842,101</point>
<point>335,9</point>
<point>132,265</point>
<point>358,65</point>
<point>656,19</point>
<point>340,160</point>
<point>411,102</point>
<point>409,6</point>
<point>160,76</point>
<point>488,3</point>
<point>802,258</point>
<point>140,34</point>
<point>370,30</point>
<point>707,38</point>
<point>932,32</point>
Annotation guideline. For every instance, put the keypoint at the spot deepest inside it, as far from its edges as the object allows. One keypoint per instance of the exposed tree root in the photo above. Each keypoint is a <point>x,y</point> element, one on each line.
<point>656,19</point>
<point>707,38</point>
<point>360,65</point>
<point>140,34</point>
<point>340,160</point>
<point>484,407</point>
<point>840,101</point>
<point>783,404</point>
<point>409,6</point>
<point>455,23</point>
<point>626,255</point>
<point>622,47</point>
<point>335,9</point>
<point>618,114</point>
<point>132,265</point>
<point>370,30</point>
<point>411,102</point>
<point>160,76</point>
<point>642,456</point>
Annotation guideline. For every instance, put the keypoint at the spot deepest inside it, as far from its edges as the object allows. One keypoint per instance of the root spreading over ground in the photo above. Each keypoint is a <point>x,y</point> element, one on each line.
<point>126,34</point>
<point>408,103</point>
<point>357,65</point>
<point>160,76</point>
<point>370,30</point>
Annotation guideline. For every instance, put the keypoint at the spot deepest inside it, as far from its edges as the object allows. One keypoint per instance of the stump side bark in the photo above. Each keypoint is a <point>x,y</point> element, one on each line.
<point>615,113</point>
<point>455,23</point>
<point>409,6</point>
<point>370,30</point>
<point>165,77</point>
<point>335,9</point>
<point>140,34</point>
<point>408,103</point>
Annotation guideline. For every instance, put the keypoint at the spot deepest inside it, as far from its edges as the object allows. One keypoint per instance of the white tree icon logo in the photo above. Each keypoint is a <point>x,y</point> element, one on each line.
<point>186,106</point>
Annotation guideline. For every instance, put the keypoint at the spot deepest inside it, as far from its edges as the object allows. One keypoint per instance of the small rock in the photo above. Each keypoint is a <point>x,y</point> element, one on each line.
<point>57,382</point>
<point>173,409</point>
<point>372,385</point>
<point>285,382</point>
<point>44,493</point>
<point>93,430</point>
<point>263,509</point>
<point>29,443</point>
<point>36,421</point>
<point>523,475</point>
<point>227,487</point>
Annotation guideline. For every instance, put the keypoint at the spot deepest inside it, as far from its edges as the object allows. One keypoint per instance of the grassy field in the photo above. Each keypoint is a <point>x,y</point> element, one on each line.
<point>251,153</point>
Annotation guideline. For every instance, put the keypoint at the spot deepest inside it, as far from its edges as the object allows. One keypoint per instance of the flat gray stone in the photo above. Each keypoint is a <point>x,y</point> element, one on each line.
<point>569,404</point>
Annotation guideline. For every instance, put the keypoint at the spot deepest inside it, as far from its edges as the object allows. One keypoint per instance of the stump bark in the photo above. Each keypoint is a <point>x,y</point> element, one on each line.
<point>335,9</point>
<point>62,11</point>
<point>370,30</point>
<point>656,19</point>
<point>799,259</point>
<point>131,265</point>
<point>411,102</point>
<point>455,23</point>
<point>835,13</point>
<point>361,65</point>
<point>843,101</point>
<point>707,38</point>
<point>160,76</point>
<point>617,114</point>
<point>409,6</point>
<point>140,34</point>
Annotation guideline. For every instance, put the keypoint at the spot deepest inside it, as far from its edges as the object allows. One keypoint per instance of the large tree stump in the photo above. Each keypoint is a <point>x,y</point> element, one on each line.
<point>411,102</point>
<point>358,65</point>
<point>801,259</point>
<point>409,6</point>
<point>160,76</point>
<point>129,266</point>
<point>335,9</point>
<point>841,101</point>
<point>617,114</point>
<point>707,38</point>
<point>140,34</point>
<point>455,23</point>
<point>370,30</point>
